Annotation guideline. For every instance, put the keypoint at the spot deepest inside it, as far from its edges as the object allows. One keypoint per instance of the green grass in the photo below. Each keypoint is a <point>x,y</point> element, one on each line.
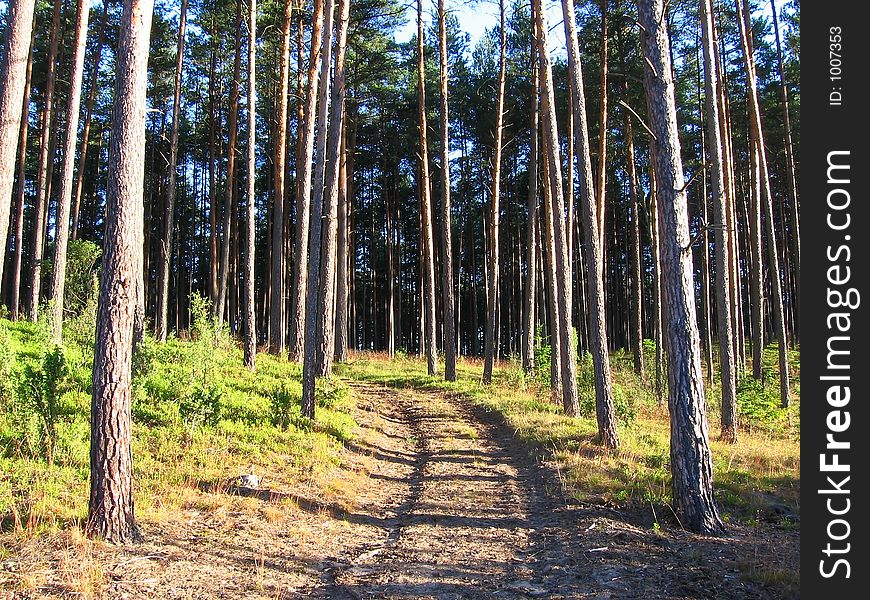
<point>199,418</point>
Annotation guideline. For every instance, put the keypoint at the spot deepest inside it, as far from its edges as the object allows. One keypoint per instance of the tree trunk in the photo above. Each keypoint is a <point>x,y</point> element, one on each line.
<point>791,178</point>
<point>309,364</point>
<point>233,127</point>
<point>528,343</point>
<point>446,218</point>
<point>723,281</point>
<point>89,112</point>
<point>250,231</point>
<point>13,76</point>
<point>66,182</point>
<point>110,509</point>
<point>276,297</point>
<point>759,153</point>
<point>304,154</point>
<point>342,255</point>
<point>568,364</point>
<point>15,282</point>
<point>426,207</point>
<point>634,254</point>
<point>162,321</point>
<point>601,183</point>
<point>327,276</point>
<point>43,178</point>
<point>604,409</point>
<point>491,338</point>
<point>691,463</point>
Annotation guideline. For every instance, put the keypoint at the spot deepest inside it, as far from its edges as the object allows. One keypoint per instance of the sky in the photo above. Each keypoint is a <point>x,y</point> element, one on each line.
<point>477,17</point>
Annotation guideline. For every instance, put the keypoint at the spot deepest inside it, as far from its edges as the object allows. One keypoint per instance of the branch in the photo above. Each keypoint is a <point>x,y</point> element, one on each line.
<point>639,119</point>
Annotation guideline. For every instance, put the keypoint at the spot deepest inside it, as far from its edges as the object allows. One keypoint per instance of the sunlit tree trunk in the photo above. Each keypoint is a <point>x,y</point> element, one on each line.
<point>43,178</point>
<point>327,276</point>
<point>233,130</point>
<point>110,508</point>
<point>276,291</point>
<point>446,219</point>
<point>86,130</point>
<point>604,409</point>
<point>428,263</point>
<point>568,366</point>
<point>528,343</point>
<point>312,299</point>
<point>250,230</point>
<point>58,271</point>
<point>162,321</point>
<point>15,277</point>
<point>304,155</point>
<point>717,180</point>
<point>691,462</point>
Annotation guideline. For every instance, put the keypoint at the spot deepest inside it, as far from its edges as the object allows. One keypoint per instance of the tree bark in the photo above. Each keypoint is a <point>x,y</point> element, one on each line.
<point>15,282</point>
<point>64,198</point>
<point>86,130</point>
<point>43,178</point>
<point>426,208</point>
<point>634,254</point>
<point>791,177</point>
<point>304,154</point>
<point>162,321</point>
<point>276,295</point>
<point>491,338</point>
<point>342,256</point>
<point>604,409</point>
<point>327,276</point>
<point>250,229</point>
<point>13,76</point>
<point>309,363</point>
<point>446,217</point>
<point>568,364</point>
<point>691,462</point>
<point>528,343</point>
<point>717,180</point>
<point>110,508</point>
<point>233,129</point>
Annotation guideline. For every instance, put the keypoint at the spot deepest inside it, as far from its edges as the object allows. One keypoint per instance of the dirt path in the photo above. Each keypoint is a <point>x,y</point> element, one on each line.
<point>439,500</point>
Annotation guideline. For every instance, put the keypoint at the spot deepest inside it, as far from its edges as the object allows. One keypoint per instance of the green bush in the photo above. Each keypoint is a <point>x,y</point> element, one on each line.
<point>758,403</point>
<point>41,387</point>
<point>283,405</point>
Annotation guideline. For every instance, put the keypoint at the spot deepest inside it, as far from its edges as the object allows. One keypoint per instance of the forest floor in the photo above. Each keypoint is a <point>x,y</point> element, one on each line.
<point>436,496</point>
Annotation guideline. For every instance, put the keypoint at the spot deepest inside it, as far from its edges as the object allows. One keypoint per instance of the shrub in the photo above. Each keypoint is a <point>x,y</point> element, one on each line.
<point>41,385</point>
<point>283,405</point>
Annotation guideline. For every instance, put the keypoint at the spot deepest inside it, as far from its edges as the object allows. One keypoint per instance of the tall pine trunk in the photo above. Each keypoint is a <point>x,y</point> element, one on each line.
<point>250,224</point>
<point>717,180</point>
<point>428,262</point>
<point>110,508</point>
<point>66,182</point>
<point>604,408</point>
<point>327,277</point>
<point>490,340</point>
<point>304,155</point>
<point>691,462</point>
<point>162,321</point>
<point>568,364</point>
<point>233,130</point>
<point>15,278</point>
<point>312,298</point>
<point>276,292</point>
<point>446,218</point>
<point>89,113</point>
<point>43,177</point>
<point>528,342</point>
<point>13,75</point>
